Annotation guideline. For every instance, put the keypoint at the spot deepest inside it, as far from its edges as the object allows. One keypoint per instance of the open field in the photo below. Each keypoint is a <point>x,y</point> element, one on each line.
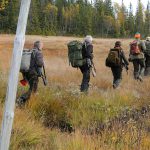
<point>106,119</point>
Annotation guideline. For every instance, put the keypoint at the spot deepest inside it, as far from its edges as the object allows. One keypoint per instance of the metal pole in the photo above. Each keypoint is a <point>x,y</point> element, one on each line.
<point>13,77</point>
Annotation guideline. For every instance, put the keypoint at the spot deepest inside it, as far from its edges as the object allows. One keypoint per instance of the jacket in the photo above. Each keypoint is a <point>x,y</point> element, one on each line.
<point>123,59</point>
<point>87,50</point>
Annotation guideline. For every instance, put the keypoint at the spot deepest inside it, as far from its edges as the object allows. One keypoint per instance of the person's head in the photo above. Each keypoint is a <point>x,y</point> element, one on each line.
<point>148,39</point>
<point>137,35</point>
<point>88,39</point>
<point>38,45</point>
<point>118,44</point>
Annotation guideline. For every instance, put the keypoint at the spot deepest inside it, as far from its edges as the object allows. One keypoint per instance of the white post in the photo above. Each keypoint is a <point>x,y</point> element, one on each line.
<point>13,77</point>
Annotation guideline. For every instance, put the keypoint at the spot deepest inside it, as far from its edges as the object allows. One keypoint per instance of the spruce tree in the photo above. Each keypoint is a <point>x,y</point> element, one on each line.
<point>139,22</point>
<point>108,8</point>
<point>147,20</point>
<point>131,22</point>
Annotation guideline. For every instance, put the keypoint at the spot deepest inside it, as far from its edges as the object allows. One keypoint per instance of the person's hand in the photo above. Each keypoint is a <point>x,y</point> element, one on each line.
<point>89,63</point>
<point>129,60</point>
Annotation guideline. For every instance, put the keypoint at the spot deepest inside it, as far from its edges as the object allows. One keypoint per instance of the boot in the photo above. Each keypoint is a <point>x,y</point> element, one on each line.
<point>141,74</point>
<point>142,71</point>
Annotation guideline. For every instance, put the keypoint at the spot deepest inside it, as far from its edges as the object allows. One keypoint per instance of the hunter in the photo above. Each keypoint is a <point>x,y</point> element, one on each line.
<point>116,60</point>
<point>136,56</point>
<point>147,57</point>
<point>87,53</point>
<point>33,74</point>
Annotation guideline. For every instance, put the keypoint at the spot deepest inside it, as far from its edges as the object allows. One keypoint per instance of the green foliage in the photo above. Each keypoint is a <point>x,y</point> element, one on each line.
<point>26,132</point>
<point>58,108</point>
<point>147,20</point>
<point>139,21</point>
<point>130,21</point>
<point>51,111</point>
<point>81,17</point>
<point>3,4</point>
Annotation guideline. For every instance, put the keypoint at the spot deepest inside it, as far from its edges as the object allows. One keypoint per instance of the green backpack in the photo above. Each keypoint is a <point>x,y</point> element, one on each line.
<point>75,54</point>
<point>113,59</point>
<point>147,44</point>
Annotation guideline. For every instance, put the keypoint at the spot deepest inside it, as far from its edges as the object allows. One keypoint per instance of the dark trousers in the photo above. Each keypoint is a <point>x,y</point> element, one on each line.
<point>147,65</point>
<point>32,79</point>
<point>139,67</point>
<point>86,78</point>
<point>117,74</point>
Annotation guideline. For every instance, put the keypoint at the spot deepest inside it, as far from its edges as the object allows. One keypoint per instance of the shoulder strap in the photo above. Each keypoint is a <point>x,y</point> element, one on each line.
<point>33,52</point>
<point>85,45</point>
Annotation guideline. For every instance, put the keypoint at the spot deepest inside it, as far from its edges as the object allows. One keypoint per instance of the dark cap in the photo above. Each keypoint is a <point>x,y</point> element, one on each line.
<point>117,44</point>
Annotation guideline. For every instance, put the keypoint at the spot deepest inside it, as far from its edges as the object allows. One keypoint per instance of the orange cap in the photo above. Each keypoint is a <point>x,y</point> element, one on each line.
<point>137,35</point>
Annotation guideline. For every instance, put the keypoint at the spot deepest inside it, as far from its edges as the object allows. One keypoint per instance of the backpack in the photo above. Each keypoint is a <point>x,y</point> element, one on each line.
<point>25,61</point>
<point>113,59</point>
<point>134,48</point>
<point>75,54</point>
<point>147,44</point>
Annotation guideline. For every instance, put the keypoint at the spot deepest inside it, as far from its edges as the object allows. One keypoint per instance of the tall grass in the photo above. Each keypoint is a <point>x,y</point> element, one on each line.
<point>59,117</point>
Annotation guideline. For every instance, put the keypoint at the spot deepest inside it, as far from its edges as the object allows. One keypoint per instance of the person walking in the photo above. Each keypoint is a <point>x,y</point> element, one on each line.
<point>147,57</point>
<point>87,54</point>
<point>136,56</point>
<point>116,60</point>
<point>33,74</point>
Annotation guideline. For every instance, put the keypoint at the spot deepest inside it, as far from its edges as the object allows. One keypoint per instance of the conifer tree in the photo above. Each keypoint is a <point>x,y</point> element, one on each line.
<point>131,22</point>
<point>139,22</point>
<point>147,20</point>
<point>108,8</point>
<point>77,17</point>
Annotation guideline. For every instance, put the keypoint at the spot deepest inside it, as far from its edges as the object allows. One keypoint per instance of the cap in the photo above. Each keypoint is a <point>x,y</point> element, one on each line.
<point>118,43</point>
<point>137,35</point>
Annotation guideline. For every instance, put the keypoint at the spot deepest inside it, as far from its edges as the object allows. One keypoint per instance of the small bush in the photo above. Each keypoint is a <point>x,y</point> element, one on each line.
<point>26,133</point>
<point>51,111</point>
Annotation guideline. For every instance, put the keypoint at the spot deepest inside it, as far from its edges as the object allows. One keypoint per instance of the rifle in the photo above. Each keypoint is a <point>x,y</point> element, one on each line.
<point>93,69</point>
<point>126,67</point>
<point>40,71</point>
<point>42,74</point>
<point>91,64</point>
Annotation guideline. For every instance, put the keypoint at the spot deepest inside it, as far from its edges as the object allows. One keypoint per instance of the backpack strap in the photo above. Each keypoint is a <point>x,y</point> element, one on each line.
<point>33,52</point>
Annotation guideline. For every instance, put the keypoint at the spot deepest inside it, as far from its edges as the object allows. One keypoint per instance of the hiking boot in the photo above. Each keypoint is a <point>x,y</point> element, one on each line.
<point>20,102</point>
<point>116,83</point>
<point>115,86</point>
<point>140,79</point>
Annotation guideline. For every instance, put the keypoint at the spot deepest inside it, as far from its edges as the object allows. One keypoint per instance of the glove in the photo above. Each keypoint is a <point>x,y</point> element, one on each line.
<point>89,63</point>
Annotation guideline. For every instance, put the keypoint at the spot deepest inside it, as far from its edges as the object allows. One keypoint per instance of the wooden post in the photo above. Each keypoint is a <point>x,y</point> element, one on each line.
<point>13,77</point>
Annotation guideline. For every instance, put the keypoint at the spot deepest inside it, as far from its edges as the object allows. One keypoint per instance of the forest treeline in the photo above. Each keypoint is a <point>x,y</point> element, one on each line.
<point>77,17</point>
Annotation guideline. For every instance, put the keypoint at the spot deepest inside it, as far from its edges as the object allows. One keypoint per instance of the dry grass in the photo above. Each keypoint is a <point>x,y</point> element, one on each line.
<point>61,100</point>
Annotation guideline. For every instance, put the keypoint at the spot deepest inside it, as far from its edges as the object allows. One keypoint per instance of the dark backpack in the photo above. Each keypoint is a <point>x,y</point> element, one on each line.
<point>75,54</point>
<point>134,48</point>
<point>113,59</point>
